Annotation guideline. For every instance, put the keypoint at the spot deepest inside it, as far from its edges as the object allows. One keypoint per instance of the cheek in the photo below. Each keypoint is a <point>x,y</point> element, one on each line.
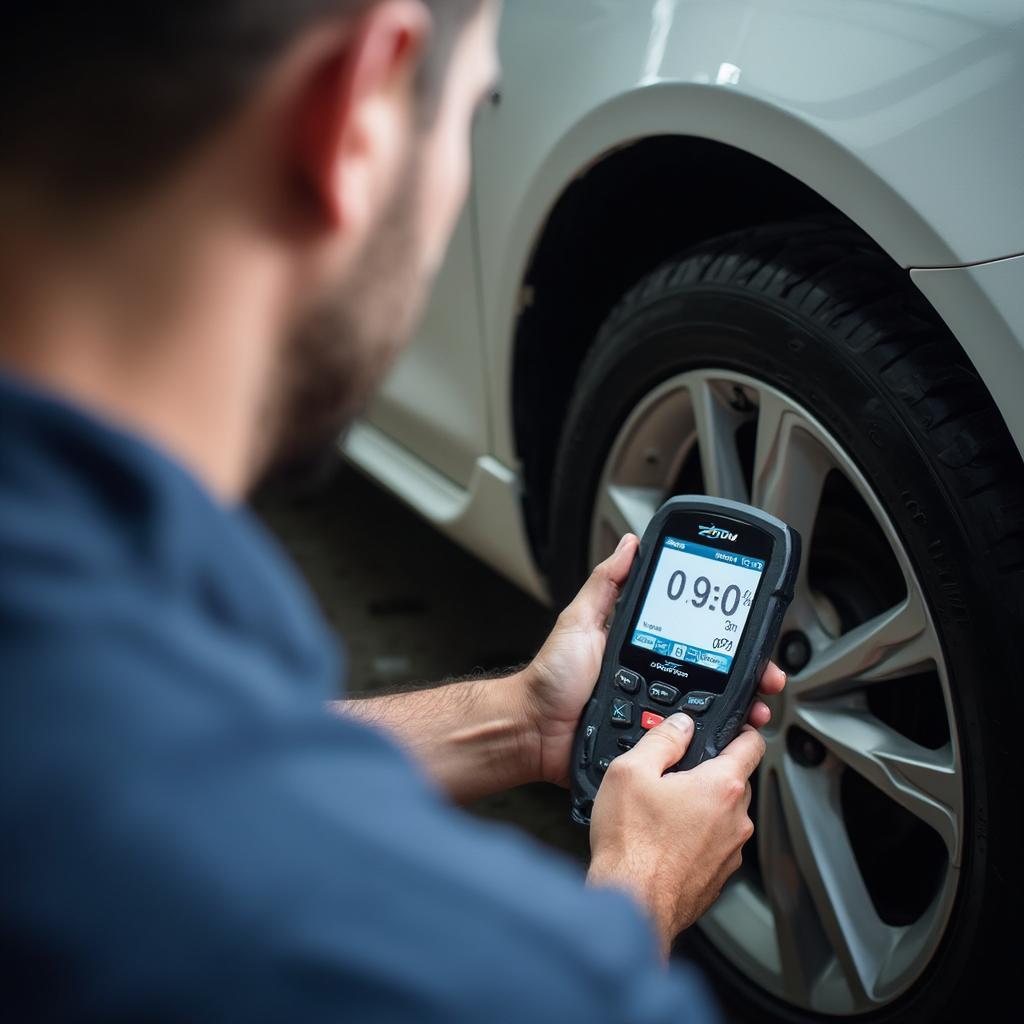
<point>447,186</point>
<point>459,165</point>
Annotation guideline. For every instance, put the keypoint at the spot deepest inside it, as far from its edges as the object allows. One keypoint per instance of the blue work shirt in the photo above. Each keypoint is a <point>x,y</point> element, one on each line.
<point>187,834</point>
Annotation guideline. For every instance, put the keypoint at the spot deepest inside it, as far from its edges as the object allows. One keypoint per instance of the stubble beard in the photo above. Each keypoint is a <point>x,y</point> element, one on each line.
<point>339,354</point>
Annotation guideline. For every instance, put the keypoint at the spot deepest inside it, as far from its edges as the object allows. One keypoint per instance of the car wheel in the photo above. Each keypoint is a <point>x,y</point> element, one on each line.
<point>795,367</point>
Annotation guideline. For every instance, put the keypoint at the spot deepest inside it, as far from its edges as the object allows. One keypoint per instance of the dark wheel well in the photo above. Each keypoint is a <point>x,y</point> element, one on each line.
<point>613,225</point>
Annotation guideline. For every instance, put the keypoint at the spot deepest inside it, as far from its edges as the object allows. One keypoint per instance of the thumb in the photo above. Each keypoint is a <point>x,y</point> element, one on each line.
<point>664,745</point>
<point>596,599</point>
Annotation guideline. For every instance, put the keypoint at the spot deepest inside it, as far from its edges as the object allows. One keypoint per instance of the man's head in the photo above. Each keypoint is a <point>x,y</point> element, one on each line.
<point>338,130</point>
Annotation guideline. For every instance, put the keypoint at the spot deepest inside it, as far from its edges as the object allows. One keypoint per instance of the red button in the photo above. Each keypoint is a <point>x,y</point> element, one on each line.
<point>649,719</point>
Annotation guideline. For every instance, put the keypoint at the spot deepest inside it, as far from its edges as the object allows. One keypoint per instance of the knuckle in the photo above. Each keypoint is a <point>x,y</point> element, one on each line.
<point>567,618</point>
<point>733,789</point>
<point>746,830</point>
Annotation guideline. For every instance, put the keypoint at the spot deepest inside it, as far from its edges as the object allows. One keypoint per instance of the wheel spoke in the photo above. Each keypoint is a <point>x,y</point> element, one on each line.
<point>716,427</point>
<point>628,509</point>
<point>790,466</point>
<point>890,645</point>
<point>921,780</point>
<point>860,940</point>
<point>797,929</point>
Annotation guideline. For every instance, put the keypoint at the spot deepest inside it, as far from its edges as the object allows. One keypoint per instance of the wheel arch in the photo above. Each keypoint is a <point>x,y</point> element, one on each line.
<point>570,285</point>
<point>625,200</point>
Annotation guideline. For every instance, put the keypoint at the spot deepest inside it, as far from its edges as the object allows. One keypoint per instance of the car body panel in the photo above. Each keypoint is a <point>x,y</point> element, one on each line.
<point>434,402</point>
<point>485,517</point>
<point>903,114</point>
<point>984,304</point>
<point>882,108</point>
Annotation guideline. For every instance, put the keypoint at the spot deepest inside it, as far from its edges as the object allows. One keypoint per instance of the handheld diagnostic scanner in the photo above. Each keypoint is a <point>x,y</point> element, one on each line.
<point>693,631</point>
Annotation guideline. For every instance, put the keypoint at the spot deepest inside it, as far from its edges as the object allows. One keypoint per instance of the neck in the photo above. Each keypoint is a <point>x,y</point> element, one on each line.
<point>162,329</point>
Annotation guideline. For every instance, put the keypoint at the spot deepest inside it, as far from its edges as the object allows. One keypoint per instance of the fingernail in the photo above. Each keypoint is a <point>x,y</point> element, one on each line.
<point>622,543</point>
<point>682,722</point>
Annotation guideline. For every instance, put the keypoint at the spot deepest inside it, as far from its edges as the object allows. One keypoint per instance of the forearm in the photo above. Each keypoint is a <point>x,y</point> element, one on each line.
<point>603,875</point>
<point>473,737</point>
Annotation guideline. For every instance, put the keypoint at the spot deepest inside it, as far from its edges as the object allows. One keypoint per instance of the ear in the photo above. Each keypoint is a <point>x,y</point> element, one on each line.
<point>355,112</point>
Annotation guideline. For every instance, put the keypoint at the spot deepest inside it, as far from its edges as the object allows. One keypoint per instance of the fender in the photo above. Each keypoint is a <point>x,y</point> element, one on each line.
<point>883,110</point>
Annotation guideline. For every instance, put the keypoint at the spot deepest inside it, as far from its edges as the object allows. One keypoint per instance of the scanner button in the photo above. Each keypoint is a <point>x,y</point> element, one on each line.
<point>628,680</point>
<point>698,701</point>
<point>648,720</point>
<point>662,693</point>
<point>622,713</point>
<point>624,743</point>
<point>589,739</point>
<point>603,763</point>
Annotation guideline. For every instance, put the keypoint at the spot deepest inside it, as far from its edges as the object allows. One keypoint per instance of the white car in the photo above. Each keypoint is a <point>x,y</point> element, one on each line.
<point>771,250</point>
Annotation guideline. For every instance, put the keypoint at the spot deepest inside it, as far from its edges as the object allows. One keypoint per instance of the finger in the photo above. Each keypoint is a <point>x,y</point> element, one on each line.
<point>664,745</point>
<point>744,753</point>
<point>773,680</point>
<point>760,714</point>
<point>596,599</point>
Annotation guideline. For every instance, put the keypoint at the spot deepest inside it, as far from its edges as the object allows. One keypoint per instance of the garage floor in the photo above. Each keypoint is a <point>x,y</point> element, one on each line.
<point>412,607</point>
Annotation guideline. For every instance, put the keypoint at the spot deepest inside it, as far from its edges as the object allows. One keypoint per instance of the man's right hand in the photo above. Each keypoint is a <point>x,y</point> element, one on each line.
<point>673,839</point>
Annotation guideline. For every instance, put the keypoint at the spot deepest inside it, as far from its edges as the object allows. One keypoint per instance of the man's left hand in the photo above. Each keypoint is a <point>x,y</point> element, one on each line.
<point>561,678</point>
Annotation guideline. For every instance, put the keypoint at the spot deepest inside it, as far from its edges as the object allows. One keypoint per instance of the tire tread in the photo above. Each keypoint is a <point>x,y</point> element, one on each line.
<point>833,274</point>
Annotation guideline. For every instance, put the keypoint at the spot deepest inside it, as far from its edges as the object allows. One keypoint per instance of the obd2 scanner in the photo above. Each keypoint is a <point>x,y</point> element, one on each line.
<point>693,631</point>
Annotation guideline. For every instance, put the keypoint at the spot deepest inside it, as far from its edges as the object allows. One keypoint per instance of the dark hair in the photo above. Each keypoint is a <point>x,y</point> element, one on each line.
<point>99,99</point>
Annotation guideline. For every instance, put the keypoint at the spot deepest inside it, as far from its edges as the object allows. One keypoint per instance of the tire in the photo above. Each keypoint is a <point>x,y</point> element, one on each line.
<point>814,313</point>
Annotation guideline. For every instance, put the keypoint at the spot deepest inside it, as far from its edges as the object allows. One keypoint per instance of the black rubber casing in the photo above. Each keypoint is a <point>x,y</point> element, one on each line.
<point>718,725</point>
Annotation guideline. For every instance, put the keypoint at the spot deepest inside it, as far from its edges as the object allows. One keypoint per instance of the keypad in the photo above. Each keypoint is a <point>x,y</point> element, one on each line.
<point>698,701</point>
<point>662,693</point>
<point>648,720</point>
<point>589,739</point>
<point>628,680</point>
<point>621,712</point>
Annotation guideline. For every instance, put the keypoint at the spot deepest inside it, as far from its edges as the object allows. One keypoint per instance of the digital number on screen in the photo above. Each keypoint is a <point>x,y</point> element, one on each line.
<point>697,603</point>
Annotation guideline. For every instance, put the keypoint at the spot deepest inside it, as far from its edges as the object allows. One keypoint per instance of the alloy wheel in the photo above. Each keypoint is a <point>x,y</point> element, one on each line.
<point>859,807</point>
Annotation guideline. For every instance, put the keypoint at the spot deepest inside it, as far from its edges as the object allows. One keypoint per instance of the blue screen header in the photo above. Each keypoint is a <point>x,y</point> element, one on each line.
<point>703,551</point>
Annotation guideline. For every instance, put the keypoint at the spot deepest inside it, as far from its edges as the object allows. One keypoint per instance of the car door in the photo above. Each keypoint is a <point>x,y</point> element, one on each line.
<point>434,402</point>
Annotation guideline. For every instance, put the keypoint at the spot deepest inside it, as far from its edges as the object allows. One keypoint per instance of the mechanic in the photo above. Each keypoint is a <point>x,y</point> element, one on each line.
<point>221,219</point>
